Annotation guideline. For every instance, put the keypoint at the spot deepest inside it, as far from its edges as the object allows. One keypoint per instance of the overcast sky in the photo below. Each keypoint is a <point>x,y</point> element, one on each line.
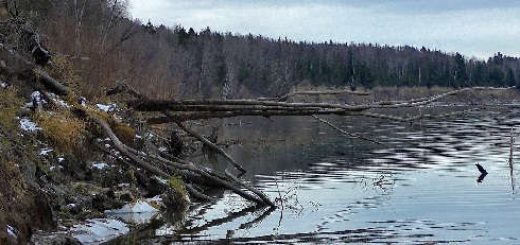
<point>476,28</point>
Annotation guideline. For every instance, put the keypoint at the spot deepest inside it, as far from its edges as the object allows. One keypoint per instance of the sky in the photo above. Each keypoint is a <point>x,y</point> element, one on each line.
<point>475,28</point>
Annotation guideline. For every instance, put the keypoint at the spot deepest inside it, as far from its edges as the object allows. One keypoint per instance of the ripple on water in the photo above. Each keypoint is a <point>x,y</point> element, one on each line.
<point>419,187</point>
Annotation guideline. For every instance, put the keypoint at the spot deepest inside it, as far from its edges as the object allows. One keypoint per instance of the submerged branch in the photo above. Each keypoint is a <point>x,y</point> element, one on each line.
<point>343,131</point>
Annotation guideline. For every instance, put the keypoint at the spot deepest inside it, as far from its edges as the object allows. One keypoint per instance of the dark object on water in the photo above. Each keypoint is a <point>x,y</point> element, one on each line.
<point>481,169</point>
<point>481,178</point>
<point>483,173</point>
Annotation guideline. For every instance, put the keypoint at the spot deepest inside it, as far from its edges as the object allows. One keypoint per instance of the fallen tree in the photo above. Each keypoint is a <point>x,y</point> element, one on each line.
<point>180,111</point>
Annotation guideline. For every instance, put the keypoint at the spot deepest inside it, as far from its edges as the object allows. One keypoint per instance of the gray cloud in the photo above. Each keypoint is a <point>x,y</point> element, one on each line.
<point>474,27</point>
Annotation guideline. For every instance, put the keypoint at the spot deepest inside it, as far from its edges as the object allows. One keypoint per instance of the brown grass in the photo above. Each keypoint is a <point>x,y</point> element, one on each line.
<point>65,131</point>
<point>10,102</point>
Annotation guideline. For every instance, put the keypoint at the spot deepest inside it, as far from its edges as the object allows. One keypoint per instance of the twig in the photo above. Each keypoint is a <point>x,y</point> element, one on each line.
<point>345,132</point>
<point>211,145</point>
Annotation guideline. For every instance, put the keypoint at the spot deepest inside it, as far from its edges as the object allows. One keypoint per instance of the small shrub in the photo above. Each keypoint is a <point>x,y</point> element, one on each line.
<point>65,131</point>
<point>65,70</point>
<point>177,197</point>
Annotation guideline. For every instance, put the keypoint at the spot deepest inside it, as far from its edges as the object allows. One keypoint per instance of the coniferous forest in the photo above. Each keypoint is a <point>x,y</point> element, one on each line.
<point>108,45</point>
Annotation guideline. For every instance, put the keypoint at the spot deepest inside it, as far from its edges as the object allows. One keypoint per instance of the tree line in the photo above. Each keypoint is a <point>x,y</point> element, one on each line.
<point>103,44</point>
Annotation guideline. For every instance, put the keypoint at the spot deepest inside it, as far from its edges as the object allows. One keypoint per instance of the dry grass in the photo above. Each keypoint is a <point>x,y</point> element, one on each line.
<point>124,132</point>
<point>65,131</point>
<point>10,102</point>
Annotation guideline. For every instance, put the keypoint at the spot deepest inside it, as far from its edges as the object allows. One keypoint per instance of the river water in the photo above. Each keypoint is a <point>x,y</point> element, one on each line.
<point>420,186</point>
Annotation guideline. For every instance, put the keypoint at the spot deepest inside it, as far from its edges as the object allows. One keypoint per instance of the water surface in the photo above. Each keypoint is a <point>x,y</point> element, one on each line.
<point>418,187</point>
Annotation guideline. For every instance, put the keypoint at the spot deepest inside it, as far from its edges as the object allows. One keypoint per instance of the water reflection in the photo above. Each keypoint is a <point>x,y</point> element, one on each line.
<point>418,187</point>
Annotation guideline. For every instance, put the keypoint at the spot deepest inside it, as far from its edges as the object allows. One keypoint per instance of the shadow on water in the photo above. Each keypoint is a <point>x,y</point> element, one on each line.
<point>417,188</point>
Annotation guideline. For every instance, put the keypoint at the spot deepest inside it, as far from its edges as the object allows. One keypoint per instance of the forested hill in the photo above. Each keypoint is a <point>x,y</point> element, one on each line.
<point>106,45</point>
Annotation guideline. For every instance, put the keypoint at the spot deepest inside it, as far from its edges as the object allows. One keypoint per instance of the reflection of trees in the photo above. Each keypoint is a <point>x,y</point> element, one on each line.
<point>185,232</point>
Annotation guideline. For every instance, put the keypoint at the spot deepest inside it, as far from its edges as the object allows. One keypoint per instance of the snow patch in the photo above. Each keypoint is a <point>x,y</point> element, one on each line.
<point>107,108</point>
<point>29,126</point>
<point>166,230</point>
<point>138,207</point>
<point>140,212</point>
<point>11,231</point>
<point>100,165</point>
<point>56,99</point>
<point>45,151</point>
<point>161,180</point>
<point>163,149</point>
<point>97,231</point>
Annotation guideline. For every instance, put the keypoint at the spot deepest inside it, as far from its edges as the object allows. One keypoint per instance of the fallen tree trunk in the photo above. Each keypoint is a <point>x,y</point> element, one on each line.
<point>129,152</point>
<point>121,86</point>
<point>56,86</point>
<point>210,144</point>
<point>207,109</point>
<point>181,117</point>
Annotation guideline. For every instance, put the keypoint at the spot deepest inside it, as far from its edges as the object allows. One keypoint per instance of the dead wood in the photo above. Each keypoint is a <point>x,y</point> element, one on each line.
<point>122,86</point>
<point>188,170</point>
<point>56,86</point>
<point>351,135</point>
<point>207,109</point>
<point>129,152</point>
<point>212,145</point>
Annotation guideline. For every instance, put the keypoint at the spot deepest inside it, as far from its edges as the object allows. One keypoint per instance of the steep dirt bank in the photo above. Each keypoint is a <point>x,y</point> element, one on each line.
<point>24,207</point>
<point>410,93</point>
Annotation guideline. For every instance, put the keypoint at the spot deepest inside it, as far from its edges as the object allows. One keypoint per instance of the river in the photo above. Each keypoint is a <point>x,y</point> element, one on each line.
<point>419,186</point>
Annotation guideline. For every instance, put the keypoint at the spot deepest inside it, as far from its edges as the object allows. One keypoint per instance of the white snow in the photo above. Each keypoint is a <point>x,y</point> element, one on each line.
<point>138,207</point>
<point>138,213</point>
<point>107,108</point>
<point>11,231</point>
<point>100,165</point>
<point>3,85</point>
<point>61,103</point>
<point>36,96</point>
<point>156,199</point>
<point>45,151</point>
<point>163,149</point>
<point>56,99</point>
<point>161,180</point>
<point>29,126</point>
<point>166,230</point>
<point>97,231</point>
<point>61,159</point>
